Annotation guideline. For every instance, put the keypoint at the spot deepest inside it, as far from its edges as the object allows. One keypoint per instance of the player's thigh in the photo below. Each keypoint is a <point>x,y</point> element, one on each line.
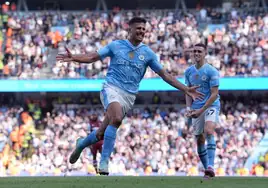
<point>115,113</point>
<point>107,95</point>
<point>112,103</point>
<point>114,100</point>
<point>211,119</point>
<point>198,125</point>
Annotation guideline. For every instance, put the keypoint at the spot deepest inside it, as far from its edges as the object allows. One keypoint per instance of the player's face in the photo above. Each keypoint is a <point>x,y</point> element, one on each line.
<point>137,31</point>
<point>94,117</point>
<point>199,53</point>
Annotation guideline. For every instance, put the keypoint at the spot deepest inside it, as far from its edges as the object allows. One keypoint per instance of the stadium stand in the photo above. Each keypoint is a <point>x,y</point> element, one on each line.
<point>238,47</point>
<point>37,142</point>
<point>37,137</point>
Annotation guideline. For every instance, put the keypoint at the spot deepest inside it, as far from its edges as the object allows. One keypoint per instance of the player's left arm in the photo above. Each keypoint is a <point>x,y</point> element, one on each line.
<point>158,68</point>
<point>214,94</point>
<point>214,89</point>
<point>172,81</point>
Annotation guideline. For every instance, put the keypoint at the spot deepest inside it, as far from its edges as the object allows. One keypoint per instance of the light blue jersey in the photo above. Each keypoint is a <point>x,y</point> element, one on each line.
<point>206,77</point>
<point>128,64</point>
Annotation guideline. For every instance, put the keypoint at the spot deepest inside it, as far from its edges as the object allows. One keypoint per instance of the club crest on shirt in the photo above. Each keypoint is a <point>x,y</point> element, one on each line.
<point>141,57</point>
<point>131,55</point>
<point>204,78</point>
<point>196,76</point>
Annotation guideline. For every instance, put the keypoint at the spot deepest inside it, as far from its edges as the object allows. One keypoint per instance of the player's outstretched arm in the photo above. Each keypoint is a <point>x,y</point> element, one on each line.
<point>79,58</point>
<point>191,91</point>
<point>189,102</point>
<point>172,81</point>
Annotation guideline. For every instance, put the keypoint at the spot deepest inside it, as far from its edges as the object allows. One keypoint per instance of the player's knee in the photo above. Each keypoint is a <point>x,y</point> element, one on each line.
<point>209,128</point>
<point>116,121</point>
<point>209,132</point>
<point>200,139</point>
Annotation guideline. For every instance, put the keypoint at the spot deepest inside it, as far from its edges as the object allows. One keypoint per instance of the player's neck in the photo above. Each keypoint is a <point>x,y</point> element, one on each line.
<point>198,65</point>
<point>134,42</point>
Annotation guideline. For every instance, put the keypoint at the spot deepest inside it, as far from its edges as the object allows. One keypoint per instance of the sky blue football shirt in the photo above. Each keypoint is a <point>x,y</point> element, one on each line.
<point>206,77</point>
<point>128,64</point>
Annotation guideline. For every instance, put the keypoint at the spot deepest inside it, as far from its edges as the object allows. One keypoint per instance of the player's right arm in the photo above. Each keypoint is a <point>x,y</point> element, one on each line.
<point>85,58</point>
<point>188,99</point>
<point>79,58</point>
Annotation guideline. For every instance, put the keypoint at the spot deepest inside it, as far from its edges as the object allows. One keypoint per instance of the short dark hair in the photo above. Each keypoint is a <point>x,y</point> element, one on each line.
<point>137,20</point>
<point>201,45</point>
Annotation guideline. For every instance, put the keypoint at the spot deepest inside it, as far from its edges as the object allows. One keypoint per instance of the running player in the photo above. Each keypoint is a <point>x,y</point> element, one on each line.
<point>97,147</point>
<point>205,112</point>
<point>129,61</point>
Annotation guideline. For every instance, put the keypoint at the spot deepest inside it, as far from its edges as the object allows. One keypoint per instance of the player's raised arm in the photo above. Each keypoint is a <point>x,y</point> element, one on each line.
<point>79,58</point>
<point>86,58</point>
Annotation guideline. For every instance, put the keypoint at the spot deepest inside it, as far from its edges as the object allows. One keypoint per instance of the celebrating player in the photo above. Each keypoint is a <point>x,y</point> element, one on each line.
<point>129,61</point>
<point>205,112</point>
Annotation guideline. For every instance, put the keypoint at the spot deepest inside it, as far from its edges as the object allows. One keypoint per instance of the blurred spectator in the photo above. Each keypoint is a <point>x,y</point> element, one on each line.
<point>239,48</point>
<point>149,141</point>
<point>261,169</point>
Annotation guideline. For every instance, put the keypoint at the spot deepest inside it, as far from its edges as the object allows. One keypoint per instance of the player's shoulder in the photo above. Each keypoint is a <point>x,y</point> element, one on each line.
<point>211,67</point>
<point>189,69</point>
<point>147,51</point>
<point>212,72</point>
<point>117,42</point>
<point>146,48</point>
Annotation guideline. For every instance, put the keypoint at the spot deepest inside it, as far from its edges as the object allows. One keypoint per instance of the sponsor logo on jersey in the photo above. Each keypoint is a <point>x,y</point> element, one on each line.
<point>131,55</point>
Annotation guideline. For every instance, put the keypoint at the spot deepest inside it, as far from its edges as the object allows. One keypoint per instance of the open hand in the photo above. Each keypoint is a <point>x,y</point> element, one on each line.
<point>196,113</point>
<point>67,57</point>
<point>196,95</point>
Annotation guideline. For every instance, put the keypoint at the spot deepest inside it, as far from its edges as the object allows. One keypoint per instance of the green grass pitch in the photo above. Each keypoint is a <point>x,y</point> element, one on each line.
<point>132,182</point>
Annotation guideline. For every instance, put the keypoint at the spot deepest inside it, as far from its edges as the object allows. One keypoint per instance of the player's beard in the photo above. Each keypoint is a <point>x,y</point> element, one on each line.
<point>139,37</point>
<point>134,38</point>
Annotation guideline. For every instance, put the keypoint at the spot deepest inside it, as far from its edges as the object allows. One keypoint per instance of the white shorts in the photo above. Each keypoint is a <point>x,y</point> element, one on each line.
<point>211,114</point>
<point>111,93</point>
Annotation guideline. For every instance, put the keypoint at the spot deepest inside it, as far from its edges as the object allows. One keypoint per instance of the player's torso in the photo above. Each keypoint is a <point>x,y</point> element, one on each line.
<point>127,66</point>
<point>201,77</point>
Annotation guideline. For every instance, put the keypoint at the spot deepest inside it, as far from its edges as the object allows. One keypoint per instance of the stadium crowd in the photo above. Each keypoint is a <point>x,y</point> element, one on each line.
<point>240,48</point>
<point>262,166</point>
<point>150,140</point>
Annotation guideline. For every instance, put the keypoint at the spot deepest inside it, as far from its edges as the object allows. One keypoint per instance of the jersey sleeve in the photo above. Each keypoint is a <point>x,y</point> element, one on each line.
<point>214,78</point>
<point>106,51</point>
<point>154,63</point>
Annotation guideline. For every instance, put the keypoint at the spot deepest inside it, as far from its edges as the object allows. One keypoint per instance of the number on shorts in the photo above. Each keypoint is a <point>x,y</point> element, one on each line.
<point>210,112</point>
